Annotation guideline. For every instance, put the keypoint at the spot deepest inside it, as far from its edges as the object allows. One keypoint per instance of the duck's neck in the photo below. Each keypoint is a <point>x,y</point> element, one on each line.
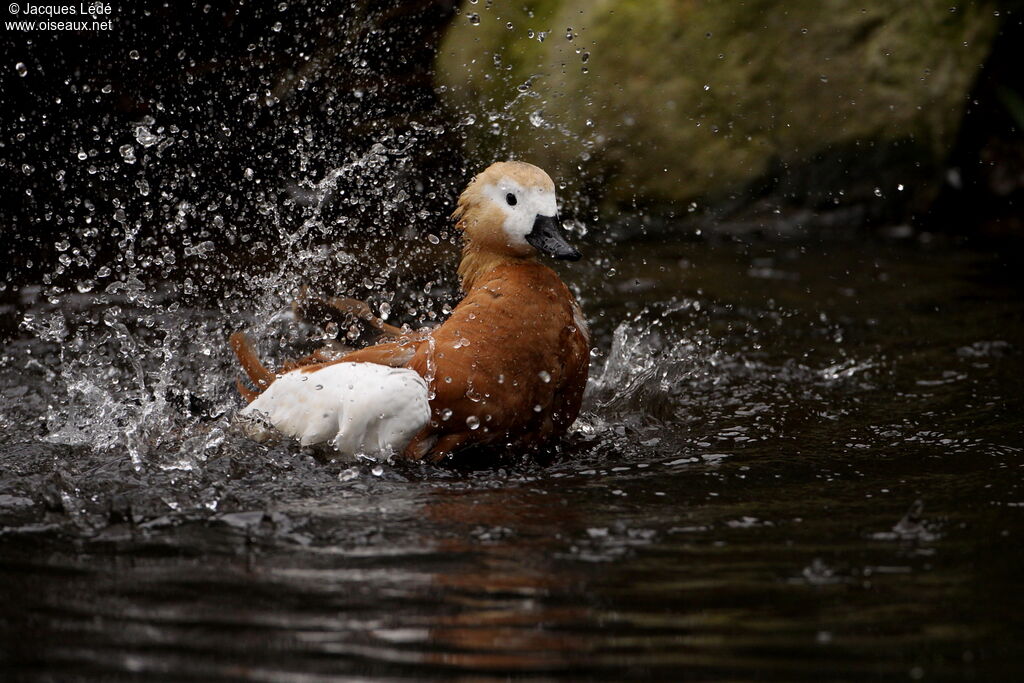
<point>478,262</point>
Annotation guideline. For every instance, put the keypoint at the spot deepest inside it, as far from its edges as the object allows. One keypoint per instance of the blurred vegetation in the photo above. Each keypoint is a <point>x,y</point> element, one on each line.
<point>761,112</point>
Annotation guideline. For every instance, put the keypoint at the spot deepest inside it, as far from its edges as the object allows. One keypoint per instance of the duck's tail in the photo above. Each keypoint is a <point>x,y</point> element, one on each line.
<point>260,376</point>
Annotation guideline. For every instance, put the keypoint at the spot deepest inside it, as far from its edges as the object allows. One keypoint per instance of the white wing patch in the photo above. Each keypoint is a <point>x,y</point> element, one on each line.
<point>361,408</point>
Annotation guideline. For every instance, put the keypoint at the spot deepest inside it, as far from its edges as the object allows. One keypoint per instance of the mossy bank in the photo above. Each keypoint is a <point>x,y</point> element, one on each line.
<point>745,109</point>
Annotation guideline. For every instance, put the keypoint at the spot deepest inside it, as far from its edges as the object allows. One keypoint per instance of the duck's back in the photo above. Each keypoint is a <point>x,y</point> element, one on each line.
<point>510,364</point>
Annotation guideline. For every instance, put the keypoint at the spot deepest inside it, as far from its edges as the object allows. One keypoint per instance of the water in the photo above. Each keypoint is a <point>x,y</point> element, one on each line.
<point>795,462</point>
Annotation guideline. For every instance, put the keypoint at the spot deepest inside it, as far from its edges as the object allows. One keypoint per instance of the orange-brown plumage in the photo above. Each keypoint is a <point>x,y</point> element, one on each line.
<point>521,376</point>
<point>510,364</point>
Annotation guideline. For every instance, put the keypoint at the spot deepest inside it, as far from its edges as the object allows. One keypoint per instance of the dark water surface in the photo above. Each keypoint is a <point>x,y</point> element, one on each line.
<point>795,463</point>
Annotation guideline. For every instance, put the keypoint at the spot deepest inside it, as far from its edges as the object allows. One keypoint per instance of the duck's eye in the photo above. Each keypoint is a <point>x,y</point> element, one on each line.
<point>511,199</point>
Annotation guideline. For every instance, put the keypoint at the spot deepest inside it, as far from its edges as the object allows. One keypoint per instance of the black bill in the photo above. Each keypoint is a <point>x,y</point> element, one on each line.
<point>546,236</point>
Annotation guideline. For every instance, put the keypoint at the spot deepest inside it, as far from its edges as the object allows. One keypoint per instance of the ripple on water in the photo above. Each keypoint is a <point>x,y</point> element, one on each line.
<point>740,496</point>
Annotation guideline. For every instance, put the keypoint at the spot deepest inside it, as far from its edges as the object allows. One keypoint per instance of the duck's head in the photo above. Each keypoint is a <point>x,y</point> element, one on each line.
<point>509,210</point>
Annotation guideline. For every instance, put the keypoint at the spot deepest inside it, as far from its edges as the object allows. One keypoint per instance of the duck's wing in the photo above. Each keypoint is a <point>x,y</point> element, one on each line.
<point>393,354</point>
<point>361,310</point>
<point>361,408</point>
<point>345,313</point>
<point>251,364</point>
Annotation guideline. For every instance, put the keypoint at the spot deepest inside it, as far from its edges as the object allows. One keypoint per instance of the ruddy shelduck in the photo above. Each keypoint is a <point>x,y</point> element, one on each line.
<point>508,367</point>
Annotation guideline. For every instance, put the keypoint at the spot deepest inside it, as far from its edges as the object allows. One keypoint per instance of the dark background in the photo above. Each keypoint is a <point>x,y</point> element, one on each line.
<point>290,92</point>
<point>230,92</point>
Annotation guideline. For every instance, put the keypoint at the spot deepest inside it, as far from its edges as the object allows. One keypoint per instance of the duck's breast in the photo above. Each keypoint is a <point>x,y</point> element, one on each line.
<point>511,358</point>
<point>362,408</point>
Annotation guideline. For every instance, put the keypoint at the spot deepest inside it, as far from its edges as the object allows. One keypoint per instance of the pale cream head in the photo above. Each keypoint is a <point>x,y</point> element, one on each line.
<point>510,209</point>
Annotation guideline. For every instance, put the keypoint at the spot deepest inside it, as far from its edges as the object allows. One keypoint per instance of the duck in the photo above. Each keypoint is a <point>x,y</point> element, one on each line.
<point>508,367</point>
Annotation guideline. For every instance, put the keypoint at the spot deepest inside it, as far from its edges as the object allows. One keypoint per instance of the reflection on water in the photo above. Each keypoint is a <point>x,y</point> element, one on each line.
<point>794,463</point>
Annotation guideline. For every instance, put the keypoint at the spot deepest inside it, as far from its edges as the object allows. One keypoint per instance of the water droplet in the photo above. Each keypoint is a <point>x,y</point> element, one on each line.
<point>433,239</point>
<point>377,471</point>
<point>144,136</point>
<point>446,414</point>
<point>900,187</point>
<point>134,54</point>
<point>545,376</point>
<point>537,408</point>
<point>878,192</point>
<point>385,310</point>
<point>127,153</point>
<point>474,18</point>
<point>473,422</point>
<point>21,69</point>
